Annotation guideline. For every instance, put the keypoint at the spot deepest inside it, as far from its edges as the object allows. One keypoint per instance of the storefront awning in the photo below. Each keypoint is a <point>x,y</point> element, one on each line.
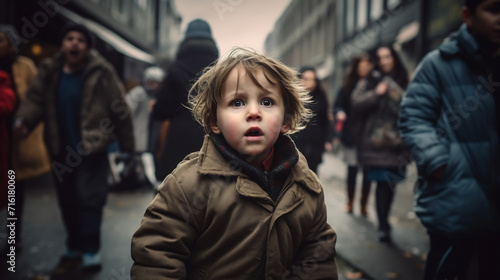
<point>110,37</point>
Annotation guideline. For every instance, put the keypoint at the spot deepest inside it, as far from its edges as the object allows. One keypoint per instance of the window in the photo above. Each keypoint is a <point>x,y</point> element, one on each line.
<point>377,9</point>
<point>350,16</point>
<point>362,13</point>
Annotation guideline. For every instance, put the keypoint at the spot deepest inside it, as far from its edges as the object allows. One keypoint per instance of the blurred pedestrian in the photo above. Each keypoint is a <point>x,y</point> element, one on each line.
<point>450,121</point>
<point>197,51</point>
<point>380,148</point>
<point>141,100</point>
<point>311,141</point>
<point>246,205</point>
<point>81,100</point>
<point>7,106</point>
<point>357,79</point>
<point>29,156</point>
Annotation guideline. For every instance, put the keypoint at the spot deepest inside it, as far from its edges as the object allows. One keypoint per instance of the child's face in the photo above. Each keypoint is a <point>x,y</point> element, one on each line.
<point>250,118</point>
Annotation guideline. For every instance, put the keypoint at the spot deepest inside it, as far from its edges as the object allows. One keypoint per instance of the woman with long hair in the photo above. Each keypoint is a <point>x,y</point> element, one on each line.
<point>357,79</point>
<point>380,148</point>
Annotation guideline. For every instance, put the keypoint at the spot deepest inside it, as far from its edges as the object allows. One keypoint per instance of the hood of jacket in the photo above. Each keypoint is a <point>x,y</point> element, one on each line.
<point>462,43</point>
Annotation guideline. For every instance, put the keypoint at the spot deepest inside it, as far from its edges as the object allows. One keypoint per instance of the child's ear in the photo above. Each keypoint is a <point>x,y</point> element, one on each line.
<point>285,128</point>
<point>215,129</point>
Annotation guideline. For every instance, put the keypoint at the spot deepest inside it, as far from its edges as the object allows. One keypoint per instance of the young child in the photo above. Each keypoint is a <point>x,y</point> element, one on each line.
<point>246,206</point>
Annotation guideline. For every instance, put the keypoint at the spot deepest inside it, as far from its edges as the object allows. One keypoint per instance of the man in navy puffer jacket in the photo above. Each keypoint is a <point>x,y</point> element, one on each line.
<point>449,119</point>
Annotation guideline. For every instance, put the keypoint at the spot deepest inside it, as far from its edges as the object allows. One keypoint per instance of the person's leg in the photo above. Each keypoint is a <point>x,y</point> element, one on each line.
<point>352,171</point>
<point>449,259</point>
<point>365,193</point>
<point>489,257</point>
<point>384,196</point>
<point>92,192</point>
<point>20,187</point>
<point>66,194</point>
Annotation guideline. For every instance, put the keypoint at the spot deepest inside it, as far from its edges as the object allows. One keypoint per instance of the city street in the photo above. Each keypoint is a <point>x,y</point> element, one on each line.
<point>361,256</point>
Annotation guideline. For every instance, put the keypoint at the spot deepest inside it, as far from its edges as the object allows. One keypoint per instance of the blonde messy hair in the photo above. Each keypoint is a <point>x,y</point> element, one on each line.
<point>206,93</point>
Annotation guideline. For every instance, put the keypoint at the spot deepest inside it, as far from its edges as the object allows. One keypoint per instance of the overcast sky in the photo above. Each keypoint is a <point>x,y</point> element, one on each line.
<point>244,23</point>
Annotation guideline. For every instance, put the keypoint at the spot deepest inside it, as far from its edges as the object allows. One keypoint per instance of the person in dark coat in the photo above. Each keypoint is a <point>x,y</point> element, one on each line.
<point>380,148</point>
<point>357,79</point>
<point>80,98</point>
<point>311,141</point>
<point>450,122</point>
<point>197,51</point>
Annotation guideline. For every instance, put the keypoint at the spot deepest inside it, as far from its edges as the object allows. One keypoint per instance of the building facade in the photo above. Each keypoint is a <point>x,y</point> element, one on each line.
<point>131,34</point>
<point>304,35</point>
<point>327,34</point>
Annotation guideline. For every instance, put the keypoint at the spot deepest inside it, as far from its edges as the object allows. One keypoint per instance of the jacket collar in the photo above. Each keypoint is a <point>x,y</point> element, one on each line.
<point>463,44</point>
<point>212,162</point>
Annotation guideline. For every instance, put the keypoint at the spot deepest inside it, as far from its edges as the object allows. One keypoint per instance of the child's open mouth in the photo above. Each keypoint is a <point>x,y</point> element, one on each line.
<point>254,133</point>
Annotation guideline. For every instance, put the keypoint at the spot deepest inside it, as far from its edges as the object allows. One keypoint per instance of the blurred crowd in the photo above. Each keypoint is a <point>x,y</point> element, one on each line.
<point>71,117</point>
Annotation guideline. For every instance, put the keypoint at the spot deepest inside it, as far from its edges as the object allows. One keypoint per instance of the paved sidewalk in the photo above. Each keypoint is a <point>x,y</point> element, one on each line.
<point>358,248</point>
<point>357,236</point>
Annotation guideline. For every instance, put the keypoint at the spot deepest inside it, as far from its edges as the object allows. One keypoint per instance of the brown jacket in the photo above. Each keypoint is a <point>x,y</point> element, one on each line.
<point>103,112</point>
<point>210,221</point>
<point>29,155</point>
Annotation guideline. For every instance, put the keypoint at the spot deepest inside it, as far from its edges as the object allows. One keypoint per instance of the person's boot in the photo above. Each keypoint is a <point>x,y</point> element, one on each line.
<point>349,205</point>
<point>364,202</point>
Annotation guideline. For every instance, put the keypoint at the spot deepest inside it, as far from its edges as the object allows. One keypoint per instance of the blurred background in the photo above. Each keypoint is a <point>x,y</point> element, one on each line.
<point>325,34</point>
<point>133,34</point>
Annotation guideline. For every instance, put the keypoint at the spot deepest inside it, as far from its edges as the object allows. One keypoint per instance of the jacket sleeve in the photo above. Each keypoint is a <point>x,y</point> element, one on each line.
<point>364,102</point>
<point>161,245</point>
<point>31,110</point>
<point>120,113</point>
<point>7,97</point>
<point>418,118</point>
<point>316,256</point>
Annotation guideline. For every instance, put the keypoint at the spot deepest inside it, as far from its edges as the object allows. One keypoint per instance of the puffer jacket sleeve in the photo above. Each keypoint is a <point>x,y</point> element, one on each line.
<point>162,244</point>
<point>316,256</point>
<point>419,117</point>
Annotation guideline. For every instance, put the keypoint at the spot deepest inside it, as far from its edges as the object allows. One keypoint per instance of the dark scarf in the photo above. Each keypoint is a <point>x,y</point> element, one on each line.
<point>285,157</point>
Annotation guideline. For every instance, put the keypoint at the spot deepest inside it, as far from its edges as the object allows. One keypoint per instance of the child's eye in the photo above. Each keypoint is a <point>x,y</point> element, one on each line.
<point>267,102</point>
<point>237,103</point>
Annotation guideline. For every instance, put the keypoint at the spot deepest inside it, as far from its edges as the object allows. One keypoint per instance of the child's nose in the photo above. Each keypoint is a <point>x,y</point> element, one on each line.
<point>253,113</point>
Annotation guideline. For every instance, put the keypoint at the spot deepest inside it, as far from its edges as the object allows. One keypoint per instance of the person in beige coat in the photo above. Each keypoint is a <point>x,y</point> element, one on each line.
<point>246,206</point>
<point>29,157</point>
